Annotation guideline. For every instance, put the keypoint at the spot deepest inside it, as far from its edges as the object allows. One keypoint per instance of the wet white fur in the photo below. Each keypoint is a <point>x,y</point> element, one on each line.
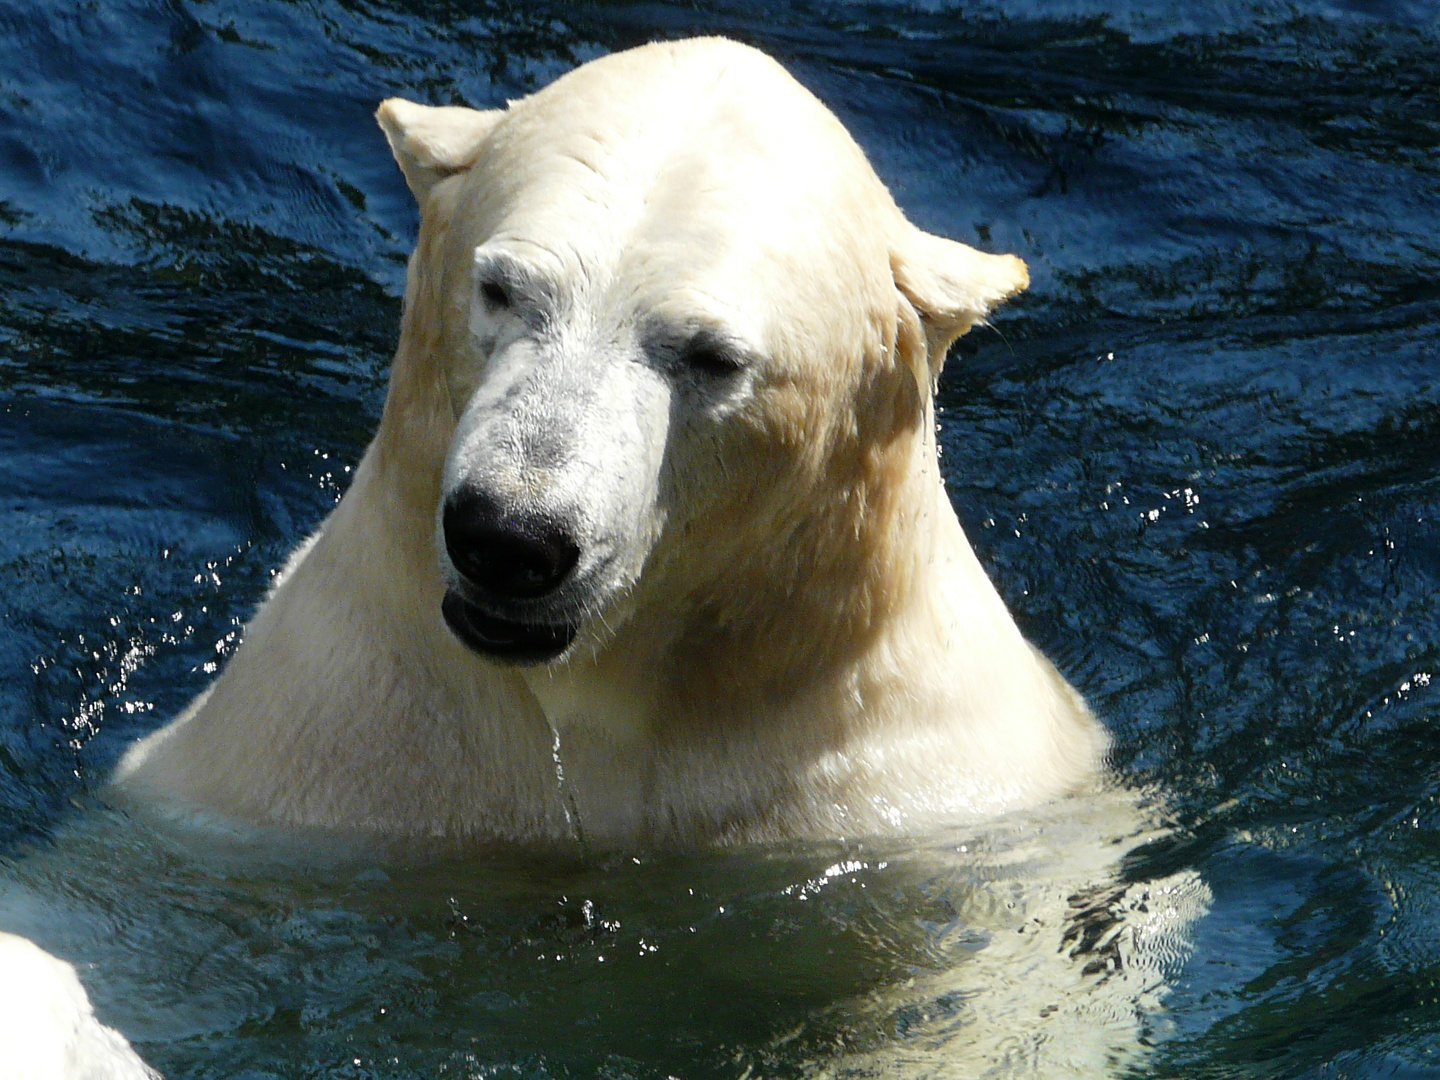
<point>784,632</point>
<point>48,1030</point>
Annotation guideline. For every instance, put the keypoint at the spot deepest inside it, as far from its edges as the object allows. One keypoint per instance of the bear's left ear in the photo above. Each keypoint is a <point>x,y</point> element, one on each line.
<point>433,142</point>
<point>950,286</point>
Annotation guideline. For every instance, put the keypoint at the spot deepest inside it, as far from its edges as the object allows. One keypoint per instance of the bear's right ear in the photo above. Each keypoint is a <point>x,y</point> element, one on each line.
<point>433,142</point>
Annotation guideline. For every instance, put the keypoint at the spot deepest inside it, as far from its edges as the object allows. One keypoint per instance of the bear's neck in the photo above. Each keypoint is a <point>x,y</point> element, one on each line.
<point>703,710</point>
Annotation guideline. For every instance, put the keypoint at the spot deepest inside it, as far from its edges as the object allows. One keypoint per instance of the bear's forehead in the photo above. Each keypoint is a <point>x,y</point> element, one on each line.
<point>673,127</point>
<point>698,162</point>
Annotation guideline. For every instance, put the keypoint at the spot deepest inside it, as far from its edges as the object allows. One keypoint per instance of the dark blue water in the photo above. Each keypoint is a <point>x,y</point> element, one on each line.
<point>1201,459</point>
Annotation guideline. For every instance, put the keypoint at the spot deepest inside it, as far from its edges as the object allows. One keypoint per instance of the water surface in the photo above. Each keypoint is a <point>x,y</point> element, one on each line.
<point>1201,459</point>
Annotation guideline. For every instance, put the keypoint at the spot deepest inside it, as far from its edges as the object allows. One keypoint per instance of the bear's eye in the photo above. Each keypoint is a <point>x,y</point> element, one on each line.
<point>712,355</point>
<point>495,295</point>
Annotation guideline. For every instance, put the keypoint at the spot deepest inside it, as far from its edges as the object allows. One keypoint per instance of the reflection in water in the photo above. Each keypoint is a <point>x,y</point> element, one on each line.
<point>1200,457</point>
<point>1019,947</point>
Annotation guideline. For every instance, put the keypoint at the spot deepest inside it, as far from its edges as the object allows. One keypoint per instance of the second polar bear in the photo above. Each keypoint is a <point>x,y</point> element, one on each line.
<point>655,493</point>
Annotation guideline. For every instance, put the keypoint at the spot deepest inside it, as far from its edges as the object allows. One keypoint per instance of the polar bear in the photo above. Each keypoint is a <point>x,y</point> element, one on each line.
<point>652,545</point>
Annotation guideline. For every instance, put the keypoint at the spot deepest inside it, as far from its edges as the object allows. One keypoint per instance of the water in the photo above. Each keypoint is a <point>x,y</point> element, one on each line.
<point>1201,458</point>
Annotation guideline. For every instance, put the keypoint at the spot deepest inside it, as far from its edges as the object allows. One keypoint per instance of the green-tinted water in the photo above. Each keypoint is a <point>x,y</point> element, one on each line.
<point>1201,458</point>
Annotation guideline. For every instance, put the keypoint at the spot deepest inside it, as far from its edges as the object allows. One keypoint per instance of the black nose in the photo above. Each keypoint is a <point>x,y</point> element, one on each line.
<point>519,556</point>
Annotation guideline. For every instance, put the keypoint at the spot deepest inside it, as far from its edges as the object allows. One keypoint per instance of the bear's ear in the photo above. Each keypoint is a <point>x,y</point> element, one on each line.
<point>950,286</point>
<point>430,142</point>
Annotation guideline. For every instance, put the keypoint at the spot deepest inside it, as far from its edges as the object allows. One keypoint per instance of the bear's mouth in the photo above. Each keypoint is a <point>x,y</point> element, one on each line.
<point>513,642</point>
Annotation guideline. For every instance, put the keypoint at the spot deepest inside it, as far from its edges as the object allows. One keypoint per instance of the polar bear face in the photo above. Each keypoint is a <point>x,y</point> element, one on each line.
<point>688,341</point>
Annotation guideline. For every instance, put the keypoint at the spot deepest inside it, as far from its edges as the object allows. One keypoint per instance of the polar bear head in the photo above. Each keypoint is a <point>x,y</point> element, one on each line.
<point>682,343</point>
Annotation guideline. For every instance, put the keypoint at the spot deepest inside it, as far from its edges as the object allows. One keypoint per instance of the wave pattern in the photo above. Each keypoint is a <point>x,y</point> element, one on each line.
<point>1201,458</point>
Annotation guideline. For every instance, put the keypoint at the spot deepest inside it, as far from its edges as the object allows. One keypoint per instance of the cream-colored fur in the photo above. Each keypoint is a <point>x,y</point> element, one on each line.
<point>794,638</point>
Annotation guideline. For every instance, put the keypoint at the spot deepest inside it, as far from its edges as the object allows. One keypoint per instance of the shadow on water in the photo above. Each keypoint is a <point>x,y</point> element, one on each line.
<point>1201,458</point>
